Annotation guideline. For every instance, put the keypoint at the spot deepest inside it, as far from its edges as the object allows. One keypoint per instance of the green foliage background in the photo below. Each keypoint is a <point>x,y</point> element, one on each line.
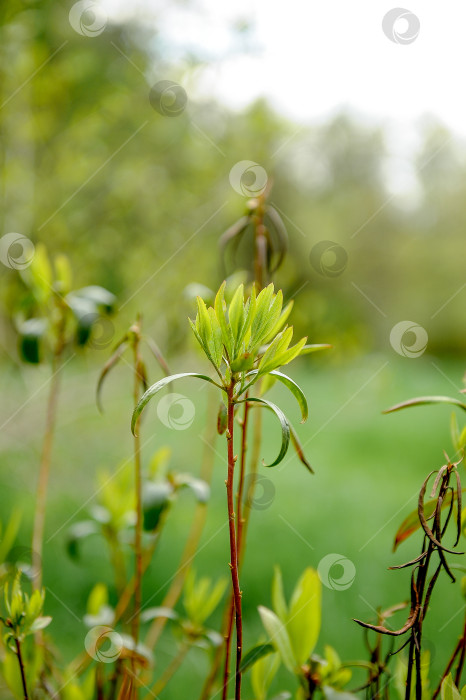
<point>138,202</point>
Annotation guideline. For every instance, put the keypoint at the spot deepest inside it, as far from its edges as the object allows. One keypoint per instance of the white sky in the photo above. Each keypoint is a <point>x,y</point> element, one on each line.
<point>311,58</point>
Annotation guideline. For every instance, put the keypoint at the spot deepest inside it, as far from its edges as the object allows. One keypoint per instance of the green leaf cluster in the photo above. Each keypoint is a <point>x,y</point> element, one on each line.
<point>23,612</point>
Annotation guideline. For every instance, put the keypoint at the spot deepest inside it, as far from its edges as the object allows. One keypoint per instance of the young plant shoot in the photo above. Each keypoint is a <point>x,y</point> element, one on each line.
<point>245,341</point>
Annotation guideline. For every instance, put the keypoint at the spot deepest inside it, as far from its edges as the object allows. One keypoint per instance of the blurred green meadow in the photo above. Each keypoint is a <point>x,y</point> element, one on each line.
<point>368,471</point>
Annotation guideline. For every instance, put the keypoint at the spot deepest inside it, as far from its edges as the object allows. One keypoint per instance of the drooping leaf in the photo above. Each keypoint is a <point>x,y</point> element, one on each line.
<point>299,449</point>
<point>114,359</point>
<point>283,423</point>
<point>426,400</point>
<point>295,390</point>
<point>158,386</point>
<point>278,637</point>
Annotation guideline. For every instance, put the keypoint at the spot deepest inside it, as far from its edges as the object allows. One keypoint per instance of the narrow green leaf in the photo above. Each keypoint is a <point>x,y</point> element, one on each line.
<point>277,347</point>
<point>295,390</point>
<point>219,307</point>
<point>281,321</point>
<point>235,313</point>
<point>425,400</point>
<point>286,357</point>
<point>283,423</point>
<point>307,349</point>
<point>305,615</point>
<point>216,346</point>
<point>278,636</point>
<point>203,325</point>
<point>299,449</point>
<point>114,359</point>
<point>158,386</point>
<point>278,596</point>
<point>255,654</point>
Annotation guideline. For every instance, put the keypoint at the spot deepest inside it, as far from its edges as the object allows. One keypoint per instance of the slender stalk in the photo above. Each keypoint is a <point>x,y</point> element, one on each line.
<point>242,474</point>
<point>195,532</point>
<point>169,672</point>
<point>44,472</point>
<point>138,490</point>
<point>233,543</point>
<point>21,668</point>
<point>239,532</point>
<point>230,612</point>
<point>228,616</point>
<point>459,669</point>
<point>255,457</point>
<point>138,553</point>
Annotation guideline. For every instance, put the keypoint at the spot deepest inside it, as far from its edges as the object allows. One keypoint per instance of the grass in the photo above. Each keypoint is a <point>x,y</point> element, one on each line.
<point>369,469</point>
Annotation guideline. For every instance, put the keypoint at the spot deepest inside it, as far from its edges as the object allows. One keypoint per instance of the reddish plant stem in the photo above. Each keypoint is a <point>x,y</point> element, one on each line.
<point>239,540</point>
<point>233,543</point>
<point>21,668</point>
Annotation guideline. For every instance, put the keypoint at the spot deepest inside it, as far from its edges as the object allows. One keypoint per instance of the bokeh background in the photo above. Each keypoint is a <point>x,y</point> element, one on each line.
<point>362,136</point>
